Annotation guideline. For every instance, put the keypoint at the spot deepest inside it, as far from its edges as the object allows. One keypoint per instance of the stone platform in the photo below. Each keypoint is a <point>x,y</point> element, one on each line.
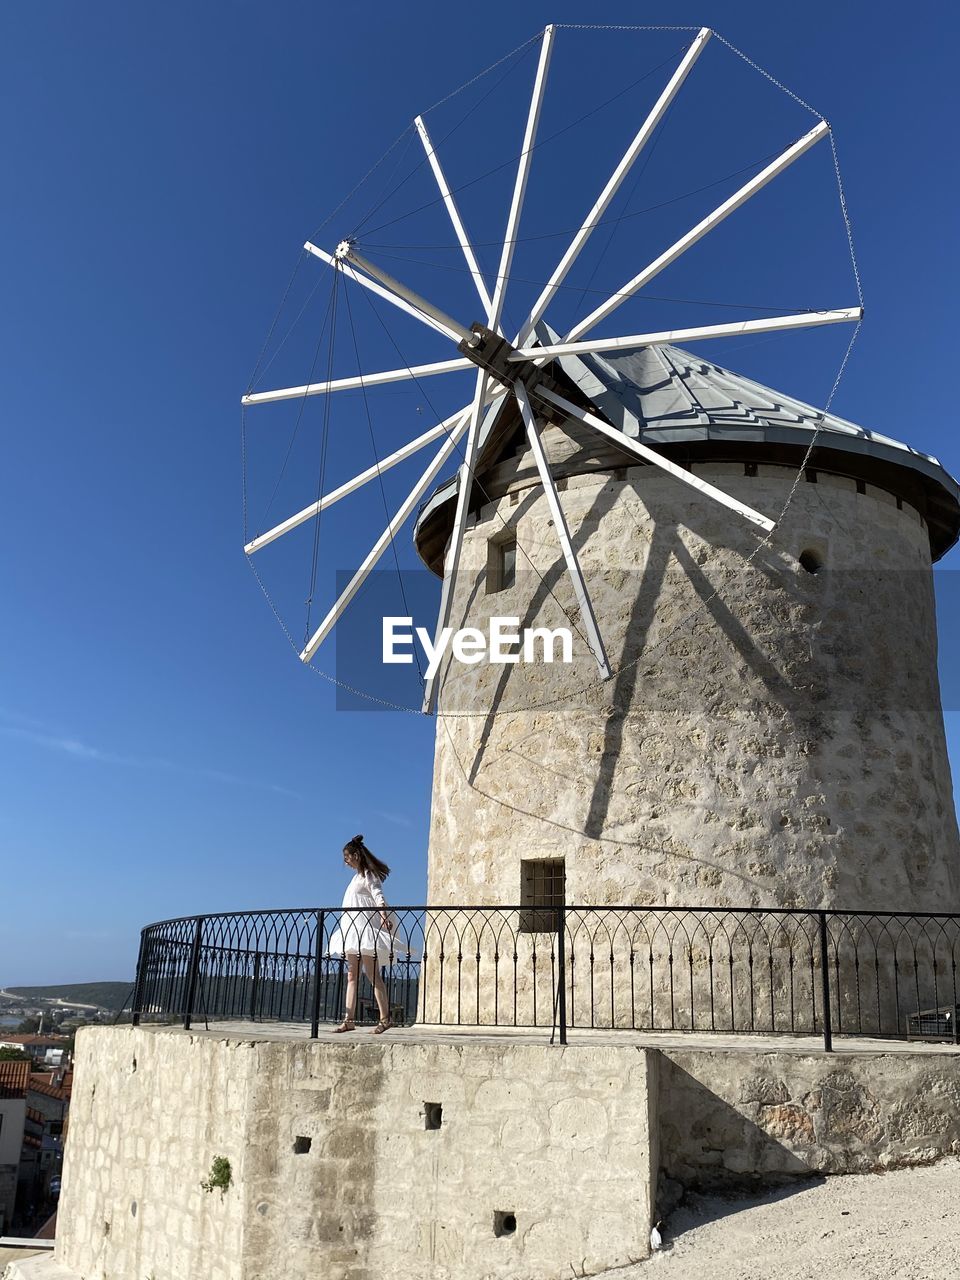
<point>455,1154</point>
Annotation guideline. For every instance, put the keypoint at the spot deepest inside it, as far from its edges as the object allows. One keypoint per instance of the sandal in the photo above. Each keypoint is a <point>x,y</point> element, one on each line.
<point>381,1027</point>
<point>345,1025</point>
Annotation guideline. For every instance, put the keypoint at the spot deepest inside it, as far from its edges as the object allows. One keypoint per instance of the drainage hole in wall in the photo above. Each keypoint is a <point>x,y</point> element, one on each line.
<point>504,1222</point>
<point>301,1146</point>
<point>432,1115</point>
<point>133,1208</point>
<point>811,560</point>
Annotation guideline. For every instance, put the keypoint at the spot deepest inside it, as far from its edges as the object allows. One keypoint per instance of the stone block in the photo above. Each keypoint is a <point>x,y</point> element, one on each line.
<point>522,1135</point>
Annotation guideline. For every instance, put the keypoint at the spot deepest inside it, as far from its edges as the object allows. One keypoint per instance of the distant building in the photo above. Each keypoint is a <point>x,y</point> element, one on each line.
<point>36,1046</point>
<point>47,1104</point>
<point>14,1082</point>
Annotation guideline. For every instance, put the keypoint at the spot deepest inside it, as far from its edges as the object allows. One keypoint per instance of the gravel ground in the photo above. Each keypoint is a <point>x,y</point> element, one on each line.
<point>904,1224</point>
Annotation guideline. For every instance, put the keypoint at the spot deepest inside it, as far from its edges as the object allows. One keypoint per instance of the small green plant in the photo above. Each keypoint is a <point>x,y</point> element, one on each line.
<point>220,1175</point>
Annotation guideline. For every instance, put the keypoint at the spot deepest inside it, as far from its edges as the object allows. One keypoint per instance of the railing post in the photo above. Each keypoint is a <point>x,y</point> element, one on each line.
<point>317,965</point>
<point>193,975</point>
<point>825,984</point>
<point>136,1007</point>
<point>562,974</point>
<point>254,986</point>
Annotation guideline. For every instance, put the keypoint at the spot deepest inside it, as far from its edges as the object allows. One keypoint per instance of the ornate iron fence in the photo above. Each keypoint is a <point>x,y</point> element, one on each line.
<point>696,969</point>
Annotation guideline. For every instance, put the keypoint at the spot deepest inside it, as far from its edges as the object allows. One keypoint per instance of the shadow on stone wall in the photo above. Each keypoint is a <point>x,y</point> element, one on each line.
<point>706,1144</point>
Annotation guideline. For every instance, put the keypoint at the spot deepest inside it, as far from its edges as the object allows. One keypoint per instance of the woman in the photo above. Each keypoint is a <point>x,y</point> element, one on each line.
<point>365,932</point>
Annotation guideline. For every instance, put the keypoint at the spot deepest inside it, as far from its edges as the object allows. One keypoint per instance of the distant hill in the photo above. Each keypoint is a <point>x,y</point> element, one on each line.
<point>106,995</point>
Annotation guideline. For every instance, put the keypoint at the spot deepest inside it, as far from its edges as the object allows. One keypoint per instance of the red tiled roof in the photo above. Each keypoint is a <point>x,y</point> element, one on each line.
<point>52,1041</point>
<point>14,1077</point>
<point>44,1083</point>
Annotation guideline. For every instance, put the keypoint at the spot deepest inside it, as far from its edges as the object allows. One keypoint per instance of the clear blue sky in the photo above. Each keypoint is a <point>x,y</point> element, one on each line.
<point>163,751</point>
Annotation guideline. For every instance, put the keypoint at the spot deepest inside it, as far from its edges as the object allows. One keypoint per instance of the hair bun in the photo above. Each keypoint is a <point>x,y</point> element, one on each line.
<point>358,839</point>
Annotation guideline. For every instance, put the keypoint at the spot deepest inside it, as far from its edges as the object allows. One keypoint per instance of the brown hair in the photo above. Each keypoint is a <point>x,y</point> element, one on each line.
<point>366,861</point>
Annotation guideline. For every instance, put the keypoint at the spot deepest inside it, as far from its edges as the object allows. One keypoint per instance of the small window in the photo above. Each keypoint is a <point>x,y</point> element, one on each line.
<point>501,564</point>
<point>542,887</point>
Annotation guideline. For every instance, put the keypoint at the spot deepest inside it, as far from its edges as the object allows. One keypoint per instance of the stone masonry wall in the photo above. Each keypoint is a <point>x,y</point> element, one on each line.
<point>729,1119</point>
<point>774,737</point>
<point>146,1121</point>
<point>334,1170</point>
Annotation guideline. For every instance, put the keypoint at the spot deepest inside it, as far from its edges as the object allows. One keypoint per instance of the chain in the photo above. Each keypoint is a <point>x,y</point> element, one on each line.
<point>243,473</point>
<point>846,217</point>
<point>486,71</point>
<point>273,325</point>
<point>767,76</point>
<point>369,174</point>
<point>601,26</point>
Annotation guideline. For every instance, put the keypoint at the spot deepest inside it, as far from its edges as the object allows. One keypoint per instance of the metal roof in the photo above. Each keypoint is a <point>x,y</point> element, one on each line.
<point>673,398</point>
<point>667,394</point>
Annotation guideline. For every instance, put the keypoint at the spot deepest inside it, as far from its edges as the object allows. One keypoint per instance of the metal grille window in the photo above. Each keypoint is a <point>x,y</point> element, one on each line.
<point>542,885</point>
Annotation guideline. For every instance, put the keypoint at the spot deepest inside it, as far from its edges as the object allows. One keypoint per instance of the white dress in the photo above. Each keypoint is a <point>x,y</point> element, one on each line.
<point>361,930</point>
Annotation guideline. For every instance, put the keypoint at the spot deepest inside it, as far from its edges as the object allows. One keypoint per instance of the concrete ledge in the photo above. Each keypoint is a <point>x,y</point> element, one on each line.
<point>38,1267</point>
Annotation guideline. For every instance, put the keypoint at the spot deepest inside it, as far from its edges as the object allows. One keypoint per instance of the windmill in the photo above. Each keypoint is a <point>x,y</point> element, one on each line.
<point>521,369</point>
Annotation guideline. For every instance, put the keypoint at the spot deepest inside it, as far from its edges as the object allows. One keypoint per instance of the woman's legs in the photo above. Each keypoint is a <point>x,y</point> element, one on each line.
<point>372,970</point>
<point>353,976</point>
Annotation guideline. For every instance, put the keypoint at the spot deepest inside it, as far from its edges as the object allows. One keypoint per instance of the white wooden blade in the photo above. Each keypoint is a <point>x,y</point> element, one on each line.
<point>351,384</point>
<point>441,429</point>
<point>381,544</point>
<point>520,185</point>
<point>494,313</point>
<point>379,290</point>
<point>452,561</point>
<point>454,213</point>
<point>629,445</point>
<point>701,229</point>
<point>594,639</point>
<point>616,179</point>
<point>770,324</point>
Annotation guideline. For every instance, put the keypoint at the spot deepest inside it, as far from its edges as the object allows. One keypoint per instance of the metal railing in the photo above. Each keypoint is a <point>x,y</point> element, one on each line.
<point>643,968</point>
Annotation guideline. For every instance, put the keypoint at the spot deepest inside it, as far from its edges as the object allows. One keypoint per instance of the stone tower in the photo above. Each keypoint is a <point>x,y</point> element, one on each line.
<point>774,735</point>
